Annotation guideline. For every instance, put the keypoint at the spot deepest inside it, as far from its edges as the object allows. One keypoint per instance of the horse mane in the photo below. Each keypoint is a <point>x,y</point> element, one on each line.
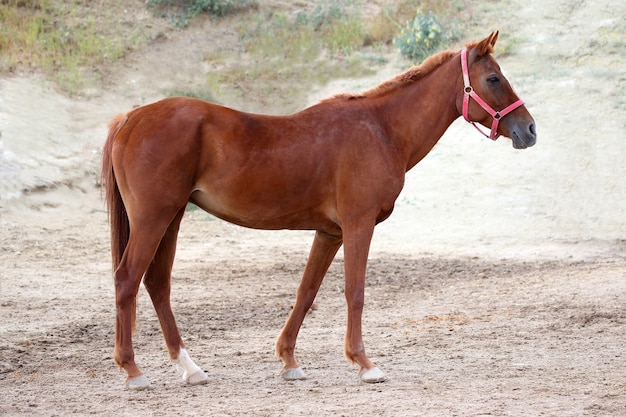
<point>408,77</point>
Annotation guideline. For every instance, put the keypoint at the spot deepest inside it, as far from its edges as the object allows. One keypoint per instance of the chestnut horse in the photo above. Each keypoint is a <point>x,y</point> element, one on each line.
<point>336,167</point>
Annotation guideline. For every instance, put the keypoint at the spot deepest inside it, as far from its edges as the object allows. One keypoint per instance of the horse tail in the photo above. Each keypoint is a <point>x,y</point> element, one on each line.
<point>118,218</point>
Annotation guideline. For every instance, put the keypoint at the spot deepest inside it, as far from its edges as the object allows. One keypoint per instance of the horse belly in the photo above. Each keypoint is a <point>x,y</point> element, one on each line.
<point>280,212</point>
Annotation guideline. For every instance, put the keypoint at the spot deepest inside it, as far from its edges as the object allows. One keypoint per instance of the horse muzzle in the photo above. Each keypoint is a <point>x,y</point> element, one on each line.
<point>524,136</point>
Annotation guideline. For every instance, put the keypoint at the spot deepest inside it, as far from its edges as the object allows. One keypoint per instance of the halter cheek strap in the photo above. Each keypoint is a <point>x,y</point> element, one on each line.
<point>468,92</point>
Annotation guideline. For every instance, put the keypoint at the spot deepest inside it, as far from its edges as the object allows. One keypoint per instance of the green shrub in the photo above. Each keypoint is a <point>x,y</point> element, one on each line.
<point>422,36</point>
<point>325,12</point>
<point>180,12</point>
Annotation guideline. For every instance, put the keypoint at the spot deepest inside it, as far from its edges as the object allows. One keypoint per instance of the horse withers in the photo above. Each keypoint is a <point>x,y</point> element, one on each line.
<point>336,167</point>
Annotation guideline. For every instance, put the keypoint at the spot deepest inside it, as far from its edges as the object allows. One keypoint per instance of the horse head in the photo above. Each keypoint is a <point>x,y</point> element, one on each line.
<point>489,90</point>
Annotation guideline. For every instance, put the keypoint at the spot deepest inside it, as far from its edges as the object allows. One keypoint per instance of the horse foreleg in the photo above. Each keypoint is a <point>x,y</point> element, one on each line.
<point>356,249</point>
<point>321,256</point>
<point>158,284</point>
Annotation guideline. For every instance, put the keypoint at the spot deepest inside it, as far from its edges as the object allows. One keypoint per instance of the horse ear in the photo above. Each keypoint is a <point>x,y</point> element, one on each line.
<point>486,45</point>
<point>494,38</point>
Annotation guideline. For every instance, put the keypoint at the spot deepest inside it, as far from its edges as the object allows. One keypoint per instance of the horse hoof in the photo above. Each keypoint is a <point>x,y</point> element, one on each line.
<point>373,375</point>
<point>138,383</point>
<point>293,374</point>
<point>198,378</point>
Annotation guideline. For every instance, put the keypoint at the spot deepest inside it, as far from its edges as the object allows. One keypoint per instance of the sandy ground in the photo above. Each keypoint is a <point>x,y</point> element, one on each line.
<point>498,286</point>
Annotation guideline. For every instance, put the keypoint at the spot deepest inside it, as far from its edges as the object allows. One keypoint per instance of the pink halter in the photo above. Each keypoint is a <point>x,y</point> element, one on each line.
<point>469,92</point>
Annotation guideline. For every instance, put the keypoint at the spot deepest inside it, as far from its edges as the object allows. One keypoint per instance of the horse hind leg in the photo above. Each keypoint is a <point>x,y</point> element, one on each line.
<point>127,276</point>
<point>146,234</point>
<point>158,284</point>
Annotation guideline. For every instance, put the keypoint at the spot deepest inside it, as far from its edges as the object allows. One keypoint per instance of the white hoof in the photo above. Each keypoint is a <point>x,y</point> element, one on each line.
<point>293,374</point>
<point>372,375</point>
<point>198,378</point>
<point>192,374</point>
<point>138,383</point>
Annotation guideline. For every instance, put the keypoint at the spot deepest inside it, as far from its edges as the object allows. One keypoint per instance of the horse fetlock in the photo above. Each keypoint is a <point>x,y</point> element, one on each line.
<point>288,358</point>
<point>356,354</point>
<point>118,360</point>
<point>284,350</point>
<point>126,361</point>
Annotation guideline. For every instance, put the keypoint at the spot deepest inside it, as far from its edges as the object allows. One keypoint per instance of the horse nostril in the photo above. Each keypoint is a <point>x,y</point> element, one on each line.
<point>532,129</point>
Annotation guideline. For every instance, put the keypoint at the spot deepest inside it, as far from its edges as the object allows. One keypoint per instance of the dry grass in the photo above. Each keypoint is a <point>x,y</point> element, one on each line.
<point>74,42</point>
<point>65,39</point>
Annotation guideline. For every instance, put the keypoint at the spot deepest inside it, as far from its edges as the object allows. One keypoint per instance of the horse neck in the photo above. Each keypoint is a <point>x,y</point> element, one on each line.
<point>418,114</point>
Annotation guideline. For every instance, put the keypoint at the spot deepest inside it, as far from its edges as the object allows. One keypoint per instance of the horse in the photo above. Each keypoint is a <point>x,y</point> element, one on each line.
<point>335,168</point>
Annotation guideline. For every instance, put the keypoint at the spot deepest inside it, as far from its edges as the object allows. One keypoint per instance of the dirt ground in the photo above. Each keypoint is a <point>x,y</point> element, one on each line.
<point>497,287</point>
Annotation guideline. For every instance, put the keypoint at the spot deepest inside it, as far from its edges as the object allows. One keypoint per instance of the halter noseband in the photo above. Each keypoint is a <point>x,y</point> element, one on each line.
<point>469,92</point>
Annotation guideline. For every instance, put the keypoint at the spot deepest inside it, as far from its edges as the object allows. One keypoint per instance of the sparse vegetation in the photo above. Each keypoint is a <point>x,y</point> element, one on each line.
<point>73,41</point>
<point>394,16</point>
<point>311,46</point>
<point>333,25</point>
<point>180,12</point>
<point>50,36</point>
<point>205,94</point>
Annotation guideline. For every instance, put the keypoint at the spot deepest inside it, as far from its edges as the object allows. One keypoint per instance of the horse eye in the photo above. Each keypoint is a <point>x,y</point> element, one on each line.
<point>493,79</point>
